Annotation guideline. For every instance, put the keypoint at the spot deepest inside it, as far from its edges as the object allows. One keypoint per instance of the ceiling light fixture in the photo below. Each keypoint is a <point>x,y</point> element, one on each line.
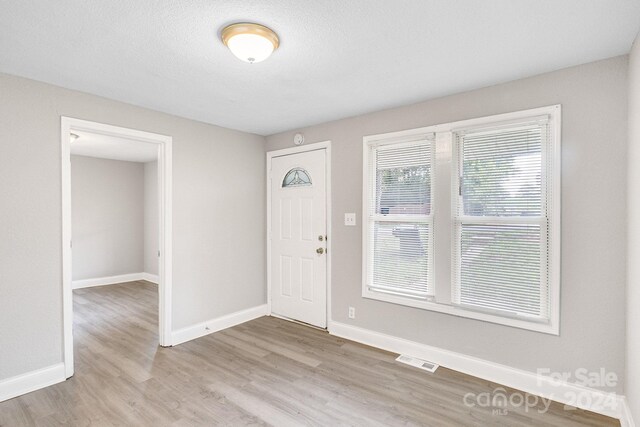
<point>250,42</point>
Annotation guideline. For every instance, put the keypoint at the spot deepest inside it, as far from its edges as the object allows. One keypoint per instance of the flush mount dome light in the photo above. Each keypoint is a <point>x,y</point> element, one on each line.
<point>250,42</point>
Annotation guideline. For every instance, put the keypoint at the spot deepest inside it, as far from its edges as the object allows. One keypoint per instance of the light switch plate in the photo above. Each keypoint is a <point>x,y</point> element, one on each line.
<point>350,219</point>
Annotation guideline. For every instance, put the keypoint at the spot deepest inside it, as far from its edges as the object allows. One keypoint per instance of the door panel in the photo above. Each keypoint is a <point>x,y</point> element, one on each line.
<point>298,219</point>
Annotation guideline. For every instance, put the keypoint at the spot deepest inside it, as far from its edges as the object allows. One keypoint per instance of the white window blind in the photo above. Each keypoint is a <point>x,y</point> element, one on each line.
<point>463,218</point>
<point>400,226</point>
<point>501,227</point>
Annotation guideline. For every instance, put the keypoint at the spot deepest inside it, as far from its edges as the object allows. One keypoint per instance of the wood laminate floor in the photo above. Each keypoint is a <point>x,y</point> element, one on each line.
<point>267,371</point>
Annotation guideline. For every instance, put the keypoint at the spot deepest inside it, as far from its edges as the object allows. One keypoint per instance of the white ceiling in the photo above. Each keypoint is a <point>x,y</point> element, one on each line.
<point>337,58</point>
<point>114,148</point>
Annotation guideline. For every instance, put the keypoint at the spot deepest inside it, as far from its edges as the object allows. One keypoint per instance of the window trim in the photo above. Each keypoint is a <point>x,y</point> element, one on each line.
<point>400,139</point>
<point>553,115</point>
<point>459,219</point>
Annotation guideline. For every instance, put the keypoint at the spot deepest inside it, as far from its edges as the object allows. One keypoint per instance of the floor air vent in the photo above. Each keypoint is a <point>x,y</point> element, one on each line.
<point>418,363</point>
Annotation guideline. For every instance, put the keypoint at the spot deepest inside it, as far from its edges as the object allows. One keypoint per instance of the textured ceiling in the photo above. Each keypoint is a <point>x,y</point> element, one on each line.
<point>337,58</point>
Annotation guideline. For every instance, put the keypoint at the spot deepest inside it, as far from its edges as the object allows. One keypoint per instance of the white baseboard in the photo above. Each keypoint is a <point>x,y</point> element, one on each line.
<point>626,420</point>
<point>112,280</point>
<point>590,399</point>
<point>31,381</point>
<point>153,278</point>
<point>214,325</point>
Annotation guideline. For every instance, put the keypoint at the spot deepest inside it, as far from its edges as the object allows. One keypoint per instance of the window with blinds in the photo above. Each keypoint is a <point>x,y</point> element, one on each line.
<point>399,222</point>
<point>464,218</point>
<point>501,227</point>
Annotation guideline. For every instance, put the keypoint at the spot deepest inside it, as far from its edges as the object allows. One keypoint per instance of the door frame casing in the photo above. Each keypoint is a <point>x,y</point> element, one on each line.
<point>326,146</point>
<point>165,267</point>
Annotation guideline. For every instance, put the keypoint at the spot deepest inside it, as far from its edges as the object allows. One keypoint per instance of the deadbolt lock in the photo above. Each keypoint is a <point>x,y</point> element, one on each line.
<point>321,237</point>
<point>320,251</point>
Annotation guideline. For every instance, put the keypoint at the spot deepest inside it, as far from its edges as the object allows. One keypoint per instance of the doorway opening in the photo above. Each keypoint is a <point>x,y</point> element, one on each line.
<point>91,145</point>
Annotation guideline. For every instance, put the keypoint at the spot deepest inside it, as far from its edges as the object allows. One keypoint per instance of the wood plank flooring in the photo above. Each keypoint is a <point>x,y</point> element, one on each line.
<point>264,372</point>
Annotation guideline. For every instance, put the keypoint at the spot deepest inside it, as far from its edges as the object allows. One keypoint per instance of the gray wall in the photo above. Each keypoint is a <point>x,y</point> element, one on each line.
<point>594,148</point>
<point>151,218</point>
<point>219,197</point>
<point>633,256</point>
<point>107,217</point>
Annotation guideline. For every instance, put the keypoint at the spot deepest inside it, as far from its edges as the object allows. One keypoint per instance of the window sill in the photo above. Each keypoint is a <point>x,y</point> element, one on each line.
<point>551,328</point>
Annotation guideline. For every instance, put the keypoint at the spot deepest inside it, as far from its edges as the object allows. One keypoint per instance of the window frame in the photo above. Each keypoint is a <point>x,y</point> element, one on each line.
<point>443,212</point>
<point>399,139</point>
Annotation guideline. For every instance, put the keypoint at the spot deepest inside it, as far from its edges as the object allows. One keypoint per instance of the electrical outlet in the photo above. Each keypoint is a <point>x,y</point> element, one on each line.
<point>352,312</point>
<point>350,219</point>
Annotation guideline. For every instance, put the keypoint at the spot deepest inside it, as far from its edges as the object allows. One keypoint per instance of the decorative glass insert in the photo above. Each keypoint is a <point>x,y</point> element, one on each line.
<point>296,177</point>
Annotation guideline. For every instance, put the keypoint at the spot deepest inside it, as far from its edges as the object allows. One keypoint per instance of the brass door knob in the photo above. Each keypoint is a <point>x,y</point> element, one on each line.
<point>320,251</point>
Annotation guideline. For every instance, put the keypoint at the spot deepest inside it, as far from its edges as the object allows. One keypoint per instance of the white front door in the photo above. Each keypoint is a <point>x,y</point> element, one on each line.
<point>298,237</point>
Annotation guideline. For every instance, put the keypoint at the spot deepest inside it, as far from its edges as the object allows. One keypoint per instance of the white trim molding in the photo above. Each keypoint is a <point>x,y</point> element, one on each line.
<point>31,381</point>
<point>570,394</point>
<point>153,278</point>
<point>626,419</point>
<point>214,325</point>
<point>164,281</point>
<point>113,280</point>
